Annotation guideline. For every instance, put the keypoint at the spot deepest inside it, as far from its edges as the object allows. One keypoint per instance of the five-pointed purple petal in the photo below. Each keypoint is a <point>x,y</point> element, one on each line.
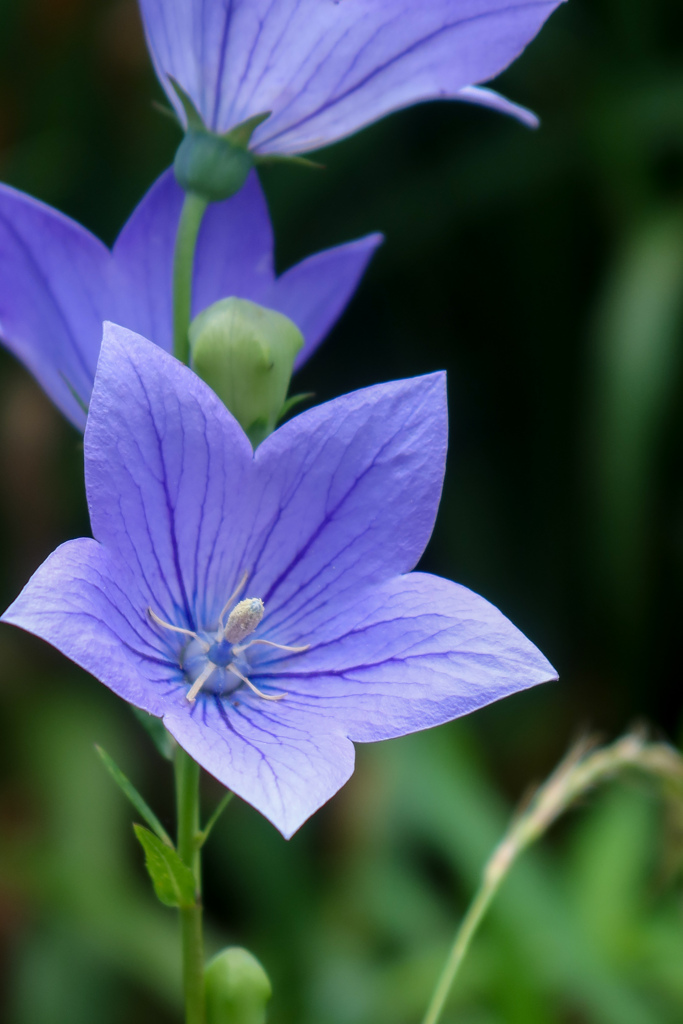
<point>323,69</point>
<point>328,517</point>
<point>58,282</point>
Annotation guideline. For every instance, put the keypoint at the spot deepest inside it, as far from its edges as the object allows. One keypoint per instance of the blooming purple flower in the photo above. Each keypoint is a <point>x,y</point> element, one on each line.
<point>58,282</point>
<point>323,69</point>
<point>262,603</point>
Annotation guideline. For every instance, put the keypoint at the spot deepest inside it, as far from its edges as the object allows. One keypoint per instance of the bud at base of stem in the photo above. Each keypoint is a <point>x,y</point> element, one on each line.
<point>237,988</point>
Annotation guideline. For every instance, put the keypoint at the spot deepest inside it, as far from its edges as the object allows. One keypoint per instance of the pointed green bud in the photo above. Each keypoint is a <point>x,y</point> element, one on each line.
<point>246,353</point>
<point>237,988</point>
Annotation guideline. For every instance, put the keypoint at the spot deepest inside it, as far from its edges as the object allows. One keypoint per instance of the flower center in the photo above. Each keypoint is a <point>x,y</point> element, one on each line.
<point>220,653</point>
<point>223,649</point>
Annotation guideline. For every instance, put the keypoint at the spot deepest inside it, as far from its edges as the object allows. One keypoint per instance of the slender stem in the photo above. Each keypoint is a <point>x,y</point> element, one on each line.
<point>187,802</point>
<point>191,216</point>
<point>186,768</point>
<point>577,773</point>
<point>468,927</point>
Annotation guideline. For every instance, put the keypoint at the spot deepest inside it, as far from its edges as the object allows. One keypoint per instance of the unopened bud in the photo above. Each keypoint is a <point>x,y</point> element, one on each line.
<point>211,166</point>
<point>246,353</point>
<point>237,988</point>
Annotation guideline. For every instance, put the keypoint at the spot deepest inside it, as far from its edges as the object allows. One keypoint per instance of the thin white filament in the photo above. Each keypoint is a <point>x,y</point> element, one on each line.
<point>177,629</point>
<point>269,643</point>
<point>266,696</point>
<point>233,597</point>
<point>199,682</point>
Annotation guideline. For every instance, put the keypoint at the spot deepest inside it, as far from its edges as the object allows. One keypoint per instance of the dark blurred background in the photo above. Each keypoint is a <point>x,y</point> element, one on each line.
<point>544,271</point>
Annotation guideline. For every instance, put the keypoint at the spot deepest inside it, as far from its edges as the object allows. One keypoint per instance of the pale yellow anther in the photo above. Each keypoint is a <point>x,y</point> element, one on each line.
<point>243,619</point>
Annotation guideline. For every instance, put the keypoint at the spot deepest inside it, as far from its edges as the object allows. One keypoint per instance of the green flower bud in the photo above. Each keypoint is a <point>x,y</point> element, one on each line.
<point>237,988</point>
<point>246,353</point>
<point>210,165</point>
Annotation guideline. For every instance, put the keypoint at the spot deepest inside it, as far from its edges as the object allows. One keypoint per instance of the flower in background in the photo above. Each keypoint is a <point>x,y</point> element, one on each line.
<point>58,282</point>
<point>262,603</point>
<point>323,69</point>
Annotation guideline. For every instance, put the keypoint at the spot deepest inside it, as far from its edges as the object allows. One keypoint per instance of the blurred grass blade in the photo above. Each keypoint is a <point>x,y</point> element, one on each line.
<point>129,790</point>
<point>636,359</point>
<point>443,796</point>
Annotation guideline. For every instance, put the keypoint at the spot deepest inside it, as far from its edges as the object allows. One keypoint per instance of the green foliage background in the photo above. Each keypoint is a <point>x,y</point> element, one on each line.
<point>545,272</point>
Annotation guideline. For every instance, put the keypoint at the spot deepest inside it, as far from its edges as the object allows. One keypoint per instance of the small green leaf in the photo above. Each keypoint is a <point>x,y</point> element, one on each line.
<point>172,879</point>
<point>206,831</point>
<point>165,111</point>
<point>269,159</point>
<point>129,790</point>
<point>294,400</point>
<point>194,119</point>
<point>160,737</point>
<point>240,136</point>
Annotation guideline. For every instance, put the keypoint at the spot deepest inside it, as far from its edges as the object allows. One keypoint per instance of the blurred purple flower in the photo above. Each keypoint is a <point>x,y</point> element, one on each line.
<point>326,68</point>
<point>324,520</point>
<point>58,282</point>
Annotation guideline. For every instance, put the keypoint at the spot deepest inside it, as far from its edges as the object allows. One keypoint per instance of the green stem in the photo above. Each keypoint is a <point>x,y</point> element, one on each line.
<point>187,802</point>
<point>191,216</point>
<point>468,927</point>
<point>574,776</point>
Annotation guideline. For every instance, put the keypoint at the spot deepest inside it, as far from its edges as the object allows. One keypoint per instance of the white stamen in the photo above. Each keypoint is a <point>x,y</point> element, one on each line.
<point>177,629</point>
<point>243,619</point>
<point>269,643</point>
<point>199,682</point>
<point>233,597</point>
<point>266,696</point>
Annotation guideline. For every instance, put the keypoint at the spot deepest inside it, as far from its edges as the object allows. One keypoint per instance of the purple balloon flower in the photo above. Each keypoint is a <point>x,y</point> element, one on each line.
<point>323,69</point>
<point>58,282</point>
<point>262,603</point>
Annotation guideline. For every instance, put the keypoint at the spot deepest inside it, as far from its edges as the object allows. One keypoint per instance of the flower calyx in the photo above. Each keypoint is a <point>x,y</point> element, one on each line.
<point>209,164</point>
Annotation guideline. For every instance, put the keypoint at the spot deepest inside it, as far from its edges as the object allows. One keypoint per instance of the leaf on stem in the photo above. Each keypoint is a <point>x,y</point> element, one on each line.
<point>129,790</point>
<point>172,879</point>
<point>206,831</point>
